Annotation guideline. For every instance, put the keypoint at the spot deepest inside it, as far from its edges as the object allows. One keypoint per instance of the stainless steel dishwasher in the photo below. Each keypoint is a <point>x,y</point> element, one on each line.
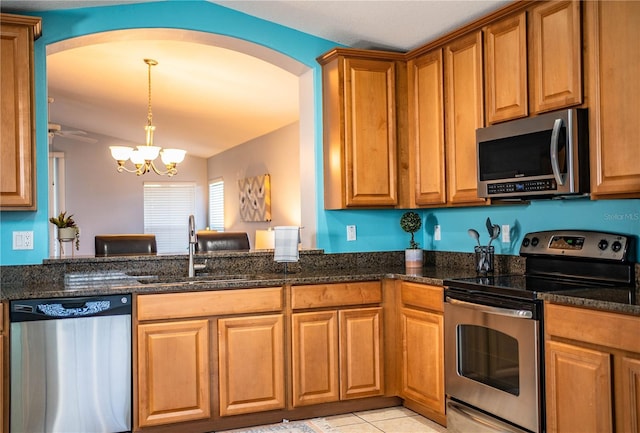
<point>71,365</point>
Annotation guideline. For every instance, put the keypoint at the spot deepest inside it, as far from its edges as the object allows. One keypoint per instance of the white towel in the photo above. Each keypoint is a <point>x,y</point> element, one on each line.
<point>287,239</point>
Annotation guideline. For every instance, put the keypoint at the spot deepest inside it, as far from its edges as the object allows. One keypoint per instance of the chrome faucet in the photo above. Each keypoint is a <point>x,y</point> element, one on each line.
<point>193,239</point>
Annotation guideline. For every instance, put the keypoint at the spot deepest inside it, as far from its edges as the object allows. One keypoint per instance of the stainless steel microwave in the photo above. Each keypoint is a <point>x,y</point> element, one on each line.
<point>536,157</point>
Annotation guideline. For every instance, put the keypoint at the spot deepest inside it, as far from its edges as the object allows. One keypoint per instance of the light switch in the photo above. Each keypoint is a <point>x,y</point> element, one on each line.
<point>437,233</point>
<point>23,240</point>
<point>351,233</point>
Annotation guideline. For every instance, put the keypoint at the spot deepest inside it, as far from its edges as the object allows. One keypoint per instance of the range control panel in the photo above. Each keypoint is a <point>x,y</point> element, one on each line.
<point>577,243</point>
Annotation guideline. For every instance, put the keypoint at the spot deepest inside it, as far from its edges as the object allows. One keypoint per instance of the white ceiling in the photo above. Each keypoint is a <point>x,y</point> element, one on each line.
<point>210,93</point>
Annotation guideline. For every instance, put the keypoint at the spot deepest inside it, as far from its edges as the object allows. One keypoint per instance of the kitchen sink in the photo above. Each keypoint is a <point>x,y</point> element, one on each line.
<point>200,278</point>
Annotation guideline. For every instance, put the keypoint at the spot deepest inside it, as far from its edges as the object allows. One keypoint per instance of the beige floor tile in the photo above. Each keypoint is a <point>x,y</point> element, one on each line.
<point>410,424</point>
<point>340,420</point>
<point>362,427</point>
<point>387,413</point>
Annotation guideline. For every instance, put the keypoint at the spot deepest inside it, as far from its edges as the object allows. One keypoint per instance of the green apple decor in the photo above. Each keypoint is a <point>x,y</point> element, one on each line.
<point>410,222</point>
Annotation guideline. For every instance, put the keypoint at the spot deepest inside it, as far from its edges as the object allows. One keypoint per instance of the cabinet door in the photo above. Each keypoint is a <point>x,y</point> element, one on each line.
<point>251,364</point>
<point>315,357</point>
<point>629,400</point>
<point>426,129</point>
<point>360,353</point>
<point>613,51</point>
<point>578,389</point>
<point>17,184</point>
<point>556,62</point>
<point>506,69</point>
<point>464,113</point>
<point>423,358</point>
<point>370,132</point>
<point>173,372</point>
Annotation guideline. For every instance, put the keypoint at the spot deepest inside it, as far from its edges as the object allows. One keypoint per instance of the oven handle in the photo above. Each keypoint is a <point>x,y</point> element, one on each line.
<point>481,420</point>
<point>517,314</point>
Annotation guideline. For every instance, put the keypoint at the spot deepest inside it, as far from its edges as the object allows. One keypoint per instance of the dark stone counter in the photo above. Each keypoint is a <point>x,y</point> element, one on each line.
<point>88,276</point>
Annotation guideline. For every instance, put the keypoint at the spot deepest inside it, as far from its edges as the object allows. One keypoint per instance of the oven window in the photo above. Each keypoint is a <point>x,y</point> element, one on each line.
<point>490,357</point>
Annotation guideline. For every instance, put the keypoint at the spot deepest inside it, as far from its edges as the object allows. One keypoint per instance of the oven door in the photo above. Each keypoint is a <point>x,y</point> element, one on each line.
<point>492,359</point>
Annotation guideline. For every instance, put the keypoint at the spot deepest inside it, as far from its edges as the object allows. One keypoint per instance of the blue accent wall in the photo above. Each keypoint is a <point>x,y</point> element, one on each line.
<point>377,230</point>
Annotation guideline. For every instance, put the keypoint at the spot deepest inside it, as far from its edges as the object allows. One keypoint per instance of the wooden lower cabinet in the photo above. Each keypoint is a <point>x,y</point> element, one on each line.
<point>422,351</point>
<point>251,364</point>
<point>337,355</point>
<point>592,361</point>
<point>173,372</point>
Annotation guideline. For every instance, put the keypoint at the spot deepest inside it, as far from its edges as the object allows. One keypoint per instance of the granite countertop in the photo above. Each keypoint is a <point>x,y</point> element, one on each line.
<point>116,282</point>
<point>623,300</point>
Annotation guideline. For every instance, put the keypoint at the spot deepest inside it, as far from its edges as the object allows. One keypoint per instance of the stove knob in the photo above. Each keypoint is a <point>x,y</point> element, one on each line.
<point>535,242</point>
<point>603,244</point>
<point>616,246</point>
<point>525,242</point>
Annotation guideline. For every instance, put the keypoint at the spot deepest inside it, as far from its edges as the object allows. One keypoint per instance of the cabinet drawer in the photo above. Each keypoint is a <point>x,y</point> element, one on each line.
<point>618,331</point>
<point>423,296</point>
<point>211,303</point>
<point>336,295</point>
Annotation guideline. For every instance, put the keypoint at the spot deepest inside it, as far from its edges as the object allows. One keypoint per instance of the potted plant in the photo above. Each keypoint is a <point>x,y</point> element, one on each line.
<point>67,228</point>
<point>410,222</point>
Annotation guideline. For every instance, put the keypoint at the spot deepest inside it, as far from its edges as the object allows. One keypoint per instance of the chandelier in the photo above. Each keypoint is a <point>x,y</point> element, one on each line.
<point>143,156</point>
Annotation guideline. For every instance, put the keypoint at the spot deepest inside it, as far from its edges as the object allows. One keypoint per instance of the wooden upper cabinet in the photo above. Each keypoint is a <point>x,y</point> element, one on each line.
<point>506,69</point>
<point>556,55</point>
<point>426,129</point>
<point>359,115</point>
<point>17,148</point>
<point>464,113</point>
<point>613,62</point>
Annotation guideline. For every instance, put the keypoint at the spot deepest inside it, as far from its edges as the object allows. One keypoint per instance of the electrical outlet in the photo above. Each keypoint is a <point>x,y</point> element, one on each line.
<point>351,233</point>
<point>506,234</point>
<point>437,233</point>
<point>23,240</point>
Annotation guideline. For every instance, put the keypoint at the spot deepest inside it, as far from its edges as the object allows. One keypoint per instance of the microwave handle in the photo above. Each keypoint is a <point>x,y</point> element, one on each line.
<point>555,165</point>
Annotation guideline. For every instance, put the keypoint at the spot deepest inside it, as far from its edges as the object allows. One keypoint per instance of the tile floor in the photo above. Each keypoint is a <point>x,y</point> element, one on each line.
<point>390,420</point>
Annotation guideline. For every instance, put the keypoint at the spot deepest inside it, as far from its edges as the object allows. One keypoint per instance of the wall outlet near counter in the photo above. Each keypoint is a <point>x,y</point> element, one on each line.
<point>23,240</point>
<point>437,233</point>
<point>506,234</point>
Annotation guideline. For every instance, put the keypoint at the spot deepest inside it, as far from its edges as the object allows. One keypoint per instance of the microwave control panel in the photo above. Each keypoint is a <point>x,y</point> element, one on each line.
<point>535,186</point>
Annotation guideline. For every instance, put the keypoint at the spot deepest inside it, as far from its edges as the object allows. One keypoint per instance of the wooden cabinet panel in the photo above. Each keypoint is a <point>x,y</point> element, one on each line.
<point>464,113</point>
<point>629,400</point>
<point>359,114</point>
<point>315,357</point>
<point>423,296</point>
<point>422,335</point>
<point>17,148</point>
<point>209,303</point>
<point>173,372</point>
<point>360,353</point>
<point>251,364</point>
<point>336,294</point>
<point>506,69</point>
<point>556,62</point>
<point>426,129</point>
<point>613,62</point>
<point>578,389</point>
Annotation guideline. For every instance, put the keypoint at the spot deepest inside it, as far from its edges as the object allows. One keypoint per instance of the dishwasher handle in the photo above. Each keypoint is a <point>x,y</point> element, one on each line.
<point>69,308</point>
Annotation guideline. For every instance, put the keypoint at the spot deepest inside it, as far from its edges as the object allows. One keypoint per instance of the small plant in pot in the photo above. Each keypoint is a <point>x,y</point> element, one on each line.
<point>67,228</point>
<point>410,222</point>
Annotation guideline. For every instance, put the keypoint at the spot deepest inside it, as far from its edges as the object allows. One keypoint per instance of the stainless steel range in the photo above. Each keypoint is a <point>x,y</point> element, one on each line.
<point>493,327</point>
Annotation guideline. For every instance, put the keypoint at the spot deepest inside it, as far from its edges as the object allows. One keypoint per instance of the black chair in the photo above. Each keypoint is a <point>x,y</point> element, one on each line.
<point>217,241</point>
<point>125,245</point>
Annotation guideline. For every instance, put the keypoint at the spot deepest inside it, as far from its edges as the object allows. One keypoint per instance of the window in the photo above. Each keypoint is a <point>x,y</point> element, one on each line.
<point>167,206</point>
<point>216,205</point>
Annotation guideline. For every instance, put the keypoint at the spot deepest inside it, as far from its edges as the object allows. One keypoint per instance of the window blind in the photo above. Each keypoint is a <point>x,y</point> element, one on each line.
<point>167,206</point>
<point>216,205</point>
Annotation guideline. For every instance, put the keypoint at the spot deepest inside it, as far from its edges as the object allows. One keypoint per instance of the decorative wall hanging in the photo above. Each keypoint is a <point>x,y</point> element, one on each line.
<point>255,198</point>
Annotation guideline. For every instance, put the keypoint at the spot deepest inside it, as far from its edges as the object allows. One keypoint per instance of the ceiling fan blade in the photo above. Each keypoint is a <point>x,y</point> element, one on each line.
<point>73,136</point>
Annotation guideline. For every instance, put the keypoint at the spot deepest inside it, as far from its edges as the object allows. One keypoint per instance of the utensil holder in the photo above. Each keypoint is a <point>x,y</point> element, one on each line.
<point>484,259</point>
